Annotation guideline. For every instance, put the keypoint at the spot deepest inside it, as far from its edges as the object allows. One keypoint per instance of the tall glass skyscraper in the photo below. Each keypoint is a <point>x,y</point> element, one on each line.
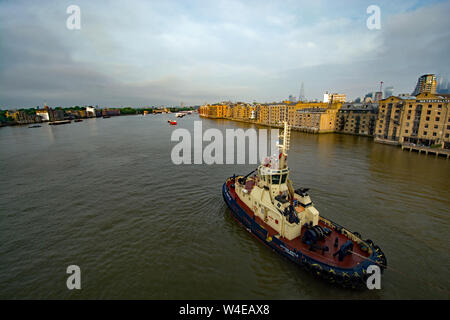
<point>426,83</point>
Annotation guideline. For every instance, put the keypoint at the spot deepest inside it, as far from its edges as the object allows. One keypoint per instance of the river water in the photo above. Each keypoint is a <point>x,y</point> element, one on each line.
<point>104,194</point>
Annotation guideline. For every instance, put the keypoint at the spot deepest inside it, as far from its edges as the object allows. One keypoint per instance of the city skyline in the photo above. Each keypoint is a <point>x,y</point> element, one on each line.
<point>202,51</point>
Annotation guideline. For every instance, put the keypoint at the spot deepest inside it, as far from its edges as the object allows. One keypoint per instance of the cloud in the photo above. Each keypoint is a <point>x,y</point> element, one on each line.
<point>151,53</point>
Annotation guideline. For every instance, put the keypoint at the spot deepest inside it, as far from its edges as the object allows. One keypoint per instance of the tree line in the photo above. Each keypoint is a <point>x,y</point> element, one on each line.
<point>123,111</point>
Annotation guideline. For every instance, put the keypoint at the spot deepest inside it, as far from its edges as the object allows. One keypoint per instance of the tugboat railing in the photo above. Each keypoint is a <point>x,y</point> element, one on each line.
<point>344,231</point>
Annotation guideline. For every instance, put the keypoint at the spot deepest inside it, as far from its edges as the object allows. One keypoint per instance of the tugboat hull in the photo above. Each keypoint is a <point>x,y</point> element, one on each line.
<point>351,272</point>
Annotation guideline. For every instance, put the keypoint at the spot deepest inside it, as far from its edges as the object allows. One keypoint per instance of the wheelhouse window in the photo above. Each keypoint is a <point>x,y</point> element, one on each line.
<point>276,179</point>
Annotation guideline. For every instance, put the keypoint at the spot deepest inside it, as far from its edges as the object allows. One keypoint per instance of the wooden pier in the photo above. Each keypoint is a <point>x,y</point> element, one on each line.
<point>427,150</point>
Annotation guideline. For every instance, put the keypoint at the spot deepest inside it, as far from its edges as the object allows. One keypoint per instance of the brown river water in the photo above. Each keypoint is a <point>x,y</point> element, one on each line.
<point>104,194</point>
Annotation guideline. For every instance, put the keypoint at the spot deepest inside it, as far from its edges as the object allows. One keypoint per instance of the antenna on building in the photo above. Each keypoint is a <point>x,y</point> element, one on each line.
<point>381,86</point>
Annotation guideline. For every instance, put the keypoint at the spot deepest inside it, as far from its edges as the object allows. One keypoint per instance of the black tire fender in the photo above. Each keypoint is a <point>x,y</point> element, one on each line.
<point>307,266</point>
<point>339,278</point>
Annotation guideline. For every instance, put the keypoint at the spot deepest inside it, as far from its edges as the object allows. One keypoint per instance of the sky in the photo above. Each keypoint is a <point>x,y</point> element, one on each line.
<point>144,53</point>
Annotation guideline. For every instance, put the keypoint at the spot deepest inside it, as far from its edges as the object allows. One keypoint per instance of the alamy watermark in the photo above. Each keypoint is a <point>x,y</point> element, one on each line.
<point>374,280</point>
<point>374,20</point>
<point>259,144</point>
<point>74,280</point>
<point>73,21</point>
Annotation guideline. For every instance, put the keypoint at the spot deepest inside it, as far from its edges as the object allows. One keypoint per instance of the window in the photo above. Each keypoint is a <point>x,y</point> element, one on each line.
<point>426,126</point>
<point>427,118</point>
<point>429,112</point>
<point>437,118</point>
<point>434,134</point>
<point>435,126</point>
<point>283,178</point>
<point>406,131</point>
<point>424,133</point>
<point>276,179</point>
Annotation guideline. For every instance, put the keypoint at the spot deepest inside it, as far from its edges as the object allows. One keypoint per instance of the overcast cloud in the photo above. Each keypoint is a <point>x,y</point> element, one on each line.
<point>140,53</point>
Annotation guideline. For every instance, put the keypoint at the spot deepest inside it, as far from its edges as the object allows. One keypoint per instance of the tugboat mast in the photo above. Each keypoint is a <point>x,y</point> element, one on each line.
<point>284,147</point>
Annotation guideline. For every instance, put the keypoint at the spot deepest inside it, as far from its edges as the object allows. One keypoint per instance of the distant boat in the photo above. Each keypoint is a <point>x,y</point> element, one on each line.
<point>173,123</point>
<point>78,120</point>
<point>106,116</point>
<point>55,123</point>
<point>35,126</point>
<point>180,115</point>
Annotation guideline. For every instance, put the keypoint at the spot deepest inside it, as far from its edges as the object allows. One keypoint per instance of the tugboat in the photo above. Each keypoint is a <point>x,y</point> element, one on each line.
<point>173,123</point>
<point>285,219</point>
